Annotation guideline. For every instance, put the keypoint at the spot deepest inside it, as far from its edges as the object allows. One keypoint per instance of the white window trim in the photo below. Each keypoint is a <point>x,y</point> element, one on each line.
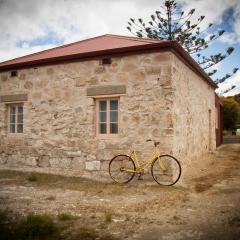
<point>9,105</point>
<point>108,135</point>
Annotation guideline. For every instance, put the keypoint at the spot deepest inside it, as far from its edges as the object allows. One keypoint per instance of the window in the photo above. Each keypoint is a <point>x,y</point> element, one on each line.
<point>107,117</point>
<point>14,73</point>
<point>15,118</point>
<point>105,61</point>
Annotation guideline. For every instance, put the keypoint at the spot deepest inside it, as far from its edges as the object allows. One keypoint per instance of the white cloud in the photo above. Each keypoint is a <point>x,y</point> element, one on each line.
<point>237,20</point>
<point>230,38</point>
<point>212,10</point>
<point>24,50</point>
<point>70,20</point>
<point>28,21</point>
<point>232,81</point>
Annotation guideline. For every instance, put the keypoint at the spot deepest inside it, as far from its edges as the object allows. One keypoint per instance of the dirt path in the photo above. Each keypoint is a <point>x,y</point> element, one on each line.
<point>208,208</point>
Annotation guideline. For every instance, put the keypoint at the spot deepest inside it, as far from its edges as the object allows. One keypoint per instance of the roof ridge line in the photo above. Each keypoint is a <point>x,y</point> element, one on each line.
<point>134,38</point>
<point>50,49</point>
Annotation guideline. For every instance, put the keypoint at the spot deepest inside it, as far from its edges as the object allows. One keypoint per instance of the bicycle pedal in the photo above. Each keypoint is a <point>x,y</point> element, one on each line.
<point>140,178</point>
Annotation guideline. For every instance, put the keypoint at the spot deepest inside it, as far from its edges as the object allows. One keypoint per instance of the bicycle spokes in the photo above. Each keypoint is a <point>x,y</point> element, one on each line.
<point>122,169</point>
<point>166,170</point>
<point>161,164</point>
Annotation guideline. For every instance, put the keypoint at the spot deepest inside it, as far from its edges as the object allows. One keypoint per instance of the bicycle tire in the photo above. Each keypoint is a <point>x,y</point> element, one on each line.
<point>125,161</point>
<point>178,171</point>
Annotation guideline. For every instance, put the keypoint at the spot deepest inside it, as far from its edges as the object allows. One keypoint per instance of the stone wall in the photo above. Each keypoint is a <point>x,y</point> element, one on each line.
<point>59,118</point>
<point>194,115</point>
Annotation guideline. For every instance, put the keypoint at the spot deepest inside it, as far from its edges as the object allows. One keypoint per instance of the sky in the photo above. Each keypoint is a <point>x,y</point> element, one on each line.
<point>28,26</point>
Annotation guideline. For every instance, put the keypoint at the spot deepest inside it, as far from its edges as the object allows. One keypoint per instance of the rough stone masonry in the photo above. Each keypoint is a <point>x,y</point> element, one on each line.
<point>159,98</point>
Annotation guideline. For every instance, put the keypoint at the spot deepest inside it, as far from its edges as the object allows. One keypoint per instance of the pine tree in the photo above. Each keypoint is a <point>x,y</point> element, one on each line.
<point>173,24</point>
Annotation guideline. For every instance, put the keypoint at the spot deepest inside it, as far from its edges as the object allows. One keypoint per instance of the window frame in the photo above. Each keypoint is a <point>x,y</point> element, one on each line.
<point>97,110</point>
<point>9,105</point>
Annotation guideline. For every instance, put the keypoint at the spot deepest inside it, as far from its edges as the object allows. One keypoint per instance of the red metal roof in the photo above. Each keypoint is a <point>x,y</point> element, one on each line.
<point>102,46</point>
<point>100,43</point>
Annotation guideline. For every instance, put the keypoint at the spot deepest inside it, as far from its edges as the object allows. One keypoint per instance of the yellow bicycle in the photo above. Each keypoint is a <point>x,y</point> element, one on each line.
<point>165,169</point>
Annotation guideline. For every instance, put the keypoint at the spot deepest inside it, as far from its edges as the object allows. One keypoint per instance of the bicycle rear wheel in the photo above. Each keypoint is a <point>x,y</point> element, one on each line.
<point>166,170</point>
<point>122,169</point>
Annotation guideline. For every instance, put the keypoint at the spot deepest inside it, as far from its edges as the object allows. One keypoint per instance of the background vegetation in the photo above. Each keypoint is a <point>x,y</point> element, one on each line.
<point>231,112</point>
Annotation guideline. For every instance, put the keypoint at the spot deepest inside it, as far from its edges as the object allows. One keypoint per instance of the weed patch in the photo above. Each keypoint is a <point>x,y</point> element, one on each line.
<point>36,227</point>
<point>32,178</point>
<point>7,230</point>
<point>65,216</point>
<point>108,217</point>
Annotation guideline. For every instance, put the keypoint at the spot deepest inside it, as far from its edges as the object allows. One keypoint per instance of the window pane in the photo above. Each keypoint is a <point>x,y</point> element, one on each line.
<point>114,116</point>
<point>102,105</point>
<point>20,128</point>
<point>20,118</point>
<point>102,117</point>
<point>113,128</point>
<point>114,105</point>
<point>103,128</point>
<point>12,128</point>
<point>20,110</point>
<point>12,110</point>
<point>12,119</point>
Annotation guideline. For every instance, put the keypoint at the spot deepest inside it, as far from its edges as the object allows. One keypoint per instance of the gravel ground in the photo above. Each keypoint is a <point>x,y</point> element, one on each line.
<point>206,207</point>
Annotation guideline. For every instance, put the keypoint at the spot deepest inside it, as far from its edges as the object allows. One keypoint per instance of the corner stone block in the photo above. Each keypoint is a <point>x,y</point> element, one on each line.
<point>74,154</point>
<point>43,161</point>
<point>30,161</point>
<point>93,165</point>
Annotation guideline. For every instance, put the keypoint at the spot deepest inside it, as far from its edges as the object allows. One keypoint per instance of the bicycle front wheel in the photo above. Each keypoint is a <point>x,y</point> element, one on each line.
<point>166,170</point>
<point>122,169</point>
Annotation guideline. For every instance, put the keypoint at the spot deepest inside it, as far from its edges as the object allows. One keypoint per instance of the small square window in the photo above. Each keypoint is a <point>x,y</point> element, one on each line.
<point>13,73</point>
<point>15,118</point>
<point>105,61</point>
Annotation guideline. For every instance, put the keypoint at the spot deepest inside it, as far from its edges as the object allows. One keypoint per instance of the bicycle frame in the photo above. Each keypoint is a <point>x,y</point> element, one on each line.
<point>141,166</point>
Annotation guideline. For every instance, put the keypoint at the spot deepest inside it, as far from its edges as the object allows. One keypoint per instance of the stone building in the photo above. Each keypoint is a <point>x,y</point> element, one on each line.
<point>70,109</point>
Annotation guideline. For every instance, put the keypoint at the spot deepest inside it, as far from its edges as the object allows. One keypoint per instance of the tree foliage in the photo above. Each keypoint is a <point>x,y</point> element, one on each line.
<point>231,113</point>
<point>237,98</point>
<point>171,23</point>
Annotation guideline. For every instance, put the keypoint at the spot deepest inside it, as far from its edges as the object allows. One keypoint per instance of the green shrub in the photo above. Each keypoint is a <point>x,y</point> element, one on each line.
<point>32,178</point>
<point>6,227</point>
<point>36,227</point>
<point>65,216</point>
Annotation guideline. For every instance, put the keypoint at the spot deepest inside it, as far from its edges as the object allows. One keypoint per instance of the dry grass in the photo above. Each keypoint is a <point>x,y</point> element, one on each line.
<point>66,182</point>
<point>65,216</point>
<point>108,216</point>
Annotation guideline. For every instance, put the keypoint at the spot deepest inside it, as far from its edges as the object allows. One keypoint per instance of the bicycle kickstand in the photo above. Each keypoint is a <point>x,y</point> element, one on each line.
<point>140,176</point>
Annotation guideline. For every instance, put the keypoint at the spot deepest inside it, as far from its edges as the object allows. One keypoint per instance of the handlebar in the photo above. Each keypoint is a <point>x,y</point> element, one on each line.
<point>155,142</point>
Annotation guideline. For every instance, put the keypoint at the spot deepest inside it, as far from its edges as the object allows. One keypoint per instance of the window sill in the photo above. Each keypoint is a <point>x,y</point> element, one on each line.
<point>106,137</point>
<point>16,135</point>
